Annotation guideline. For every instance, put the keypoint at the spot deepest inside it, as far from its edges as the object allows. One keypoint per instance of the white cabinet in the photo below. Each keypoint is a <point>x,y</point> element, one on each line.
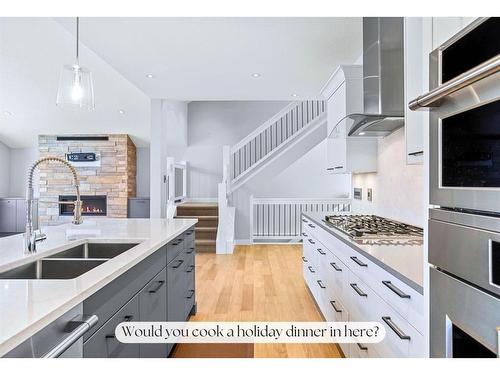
<point>352,155</point>
<point>418,39</point>
<point>344,95</point>
<point>349,287</point>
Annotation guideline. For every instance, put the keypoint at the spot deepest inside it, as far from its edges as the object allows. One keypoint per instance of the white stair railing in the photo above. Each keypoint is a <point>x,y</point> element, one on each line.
<point>279,219</point>
<point>271,136</point>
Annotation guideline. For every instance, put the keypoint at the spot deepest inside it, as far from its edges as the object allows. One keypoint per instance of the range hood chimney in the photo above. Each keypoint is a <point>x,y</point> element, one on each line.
<point>383,78</point>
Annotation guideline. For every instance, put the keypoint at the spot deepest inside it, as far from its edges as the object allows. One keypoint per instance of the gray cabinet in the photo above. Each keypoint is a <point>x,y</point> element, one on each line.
<point>138,208</point>
<point>153,308</point>
<point>189,250</point>
<point>8,215</point>
<point>103,344</point>
<point>13,215</point>
<point>177,289</point>
<point>160,288</point>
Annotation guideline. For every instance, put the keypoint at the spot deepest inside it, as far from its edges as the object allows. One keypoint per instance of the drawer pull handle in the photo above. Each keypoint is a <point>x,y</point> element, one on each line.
<point>335,267</point>
<point>191,249</point>
<point>321,252</point>
<point>79,325</point>
<point>320,283</point>
<point>304,259</point>
<point>179,263</point>
<point>403,336</point>
<point>311,269</point>
<point>335,307</point>
<point>191,268</point>
<point>305,235</point>
<point>359,291</point>
<point>191,294</point>
<point>361,347</point>
<point>311,241</point>
<point>160,284</point>
<point>128,318</point>
<point>109,337</point>
<point>312,226</point>
<point>358,262</point>
<point>395,289</point>
<point>304,220</point>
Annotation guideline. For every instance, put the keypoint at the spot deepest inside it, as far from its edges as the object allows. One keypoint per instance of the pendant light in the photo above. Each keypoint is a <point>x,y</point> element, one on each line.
<point>76,89</point>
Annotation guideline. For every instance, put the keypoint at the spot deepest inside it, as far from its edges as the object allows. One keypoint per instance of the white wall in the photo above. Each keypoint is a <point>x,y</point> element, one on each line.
<point>212,125</point>
<point>397,187</point>
<point>5,169</point>
<point>305,178</point>
<point>168,135</point>
<point>143,171</point>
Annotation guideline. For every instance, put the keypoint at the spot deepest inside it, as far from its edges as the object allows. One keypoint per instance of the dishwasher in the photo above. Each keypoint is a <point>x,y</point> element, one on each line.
<point>61,338</point>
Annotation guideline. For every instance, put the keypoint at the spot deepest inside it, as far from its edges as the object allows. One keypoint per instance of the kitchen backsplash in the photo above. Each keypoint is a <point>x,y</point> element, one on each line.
<point>398,188</point>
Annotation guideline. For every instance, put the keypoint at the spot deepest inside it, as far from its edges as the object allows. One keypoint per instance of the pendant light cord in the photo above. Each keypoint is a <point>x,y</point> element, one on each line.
<point>77,38</point>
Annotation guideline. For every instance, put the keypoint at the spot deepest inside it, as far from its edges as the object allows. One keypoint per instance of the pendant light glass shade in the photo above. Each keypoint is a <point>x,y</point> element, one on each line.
<point>76,89</point>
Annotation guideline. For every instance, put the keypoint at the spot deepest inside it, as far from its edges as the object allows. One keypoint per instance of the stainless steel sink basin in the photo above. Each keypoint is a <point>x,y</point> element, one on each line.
<point>52,269</point>
<point>95,250</point>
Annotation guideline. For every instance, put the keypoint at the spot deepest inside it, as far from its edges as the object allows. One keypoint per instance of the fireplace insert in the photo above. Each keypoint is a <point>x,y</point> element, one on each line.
<point>92,205</point>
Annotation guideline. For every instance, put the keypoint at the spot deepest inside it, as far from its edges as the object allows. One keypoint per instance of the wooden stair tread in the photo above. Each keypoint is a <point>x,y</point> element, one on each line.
<point>196,204</point>
<point>197,217</point>
<point>205,229</point>
<point>204,242</point>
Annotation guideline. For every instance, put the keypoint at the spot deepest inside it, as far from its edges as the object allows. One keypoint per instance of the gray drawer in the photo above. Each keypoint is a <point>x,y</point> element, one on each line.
<point>174,247</point>
<point>109,299</point>
<point>153,308</point>
<point>103,344</point>
<point>47,338</point>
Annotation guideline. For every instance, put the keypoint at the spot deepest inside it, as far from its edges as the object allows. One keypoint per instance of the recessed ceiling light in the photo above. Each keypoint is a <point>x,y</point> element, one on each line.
<point>362,133</point>
<point>150,75</point>
<point>7,113</point>
<point>121,112</point>
<point>256,75</point>
<point>295,95</point>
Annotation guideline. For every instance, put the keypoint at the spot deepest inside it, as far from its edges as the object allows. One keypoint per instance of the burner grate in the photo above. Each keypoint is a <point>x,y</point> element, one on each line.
<point>371,229</point>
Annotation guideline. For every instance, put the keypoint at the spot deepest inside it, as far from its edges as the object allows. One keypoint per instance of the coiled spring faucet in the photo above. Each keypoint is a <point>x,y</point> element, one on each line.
<point>30,237</point>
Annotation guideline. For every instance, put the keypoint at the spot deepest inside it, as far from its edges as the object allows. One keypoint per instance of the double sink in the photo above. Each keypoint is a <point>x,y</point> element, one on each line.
<point>68,264</point>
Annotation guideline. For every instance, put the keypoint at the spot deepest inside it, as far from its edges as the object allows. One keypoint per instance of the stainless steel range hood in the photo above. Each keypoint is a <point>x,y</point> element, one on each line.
<point>383,78</point>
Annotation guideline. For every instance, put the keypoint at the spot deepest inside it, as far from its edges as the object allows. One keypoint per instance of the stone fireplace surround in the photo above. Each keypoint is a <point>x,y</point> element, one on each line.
<point>115,177</point>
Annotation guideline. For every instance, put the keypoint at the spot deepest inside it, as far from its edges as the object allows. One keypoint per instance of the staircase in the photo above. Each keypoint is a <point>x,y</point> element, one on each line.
<point>266,151</point>
<point>206,228</point>
<point>301,124</point>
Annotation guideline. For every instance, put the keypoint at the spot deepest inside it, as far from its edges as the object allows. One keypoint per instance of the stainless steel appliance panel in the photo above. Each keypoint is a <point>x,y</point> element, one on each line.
<point>466,252</point>
<point>485,198</point>
<point>464,322</point>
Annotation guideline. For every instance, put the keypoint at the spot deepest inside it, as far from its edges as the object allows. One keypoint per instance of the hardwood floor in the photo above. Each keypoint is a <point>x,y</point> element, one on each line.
<point>258,283</point>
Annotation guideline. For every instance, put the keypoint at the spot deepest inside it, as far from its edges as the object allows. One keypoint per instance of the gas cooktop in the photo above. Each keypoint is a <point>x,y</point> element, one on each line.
<point>375,230</point>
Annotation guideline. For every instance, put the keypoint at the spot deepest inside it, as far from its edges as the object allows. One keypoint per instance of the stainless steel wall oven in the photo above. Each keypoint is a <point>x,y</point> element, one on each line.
<point>464,233</point>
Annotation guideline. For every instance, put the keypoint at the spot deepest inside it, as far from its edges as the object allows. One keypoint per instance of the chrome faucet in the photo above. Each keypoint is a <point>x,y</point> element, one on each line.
<point>31,237</point>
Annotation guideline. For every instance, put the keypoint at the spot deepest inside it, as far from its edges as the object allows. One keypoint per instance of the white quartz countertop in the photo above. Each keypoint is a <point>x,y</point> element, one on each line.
<point>26,306</point>
<point>405,262</point>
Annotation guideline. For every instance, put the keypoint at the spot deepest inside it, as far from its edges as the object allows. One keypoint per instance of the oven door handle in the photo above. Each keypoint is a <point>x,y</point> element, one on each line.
<point>433,97</point>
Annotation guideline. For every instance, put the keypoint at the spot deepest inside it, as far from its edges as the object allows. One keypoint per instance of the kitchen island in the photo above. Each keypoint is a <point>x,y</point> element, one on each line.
<point>150,248</point>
